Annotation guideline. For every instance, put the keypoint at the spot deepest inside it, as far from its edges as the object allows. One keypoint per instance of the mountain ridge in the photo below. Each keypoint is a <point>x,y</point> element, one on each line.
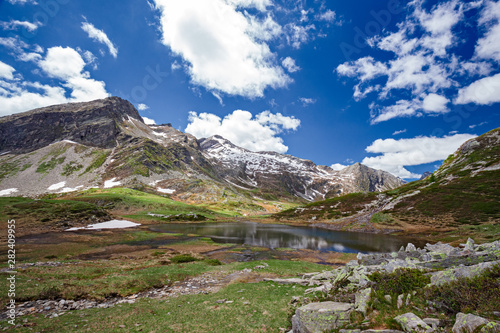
<point>103,142</point>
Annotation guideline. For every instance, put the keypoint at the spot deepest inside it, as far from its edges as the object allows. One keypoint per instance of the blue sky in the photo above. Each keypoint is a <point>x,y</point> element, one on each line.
<point>395,87</point>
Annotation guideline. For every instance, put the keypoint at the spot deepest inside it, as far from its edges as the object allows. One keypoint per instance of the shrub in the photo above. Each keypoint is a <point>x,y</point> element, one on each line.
<point>181,258</point>
<point>213,262</point>
<point>481,293</point>
<point>401,281</point>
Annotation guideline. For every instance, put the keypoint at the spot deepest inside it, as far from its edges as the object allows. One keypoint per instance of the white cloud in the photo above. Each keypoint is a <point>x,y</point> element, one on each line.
<point>100,36</point>
<point>22,2</point>
<point>225,50</point>
<point>328,16</point>
<point>258,133</point>
<point>396,154</point>
<point>399,132</point>
<point>148,121</point>
<point>338,166</point>
<point>6,71</point>
<point>435,103</point>
<point>422,69</point>
<point>488,47</point>
<point>64,64</point>
<point>142,107</point>
<point>483,91</point>
<point>307,101</point>
<point>14,24</point>
<point>298,34</point>
<point>477,125</point>
<point>290,65</point>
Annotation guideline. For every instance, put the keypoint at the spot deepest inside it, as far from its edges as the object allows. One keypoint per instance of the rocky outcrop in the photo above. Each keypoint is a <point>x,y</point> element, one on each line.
<point>93,124</point>
<point>367,179</point>
<point>353,278</point>
<point>321,317</point>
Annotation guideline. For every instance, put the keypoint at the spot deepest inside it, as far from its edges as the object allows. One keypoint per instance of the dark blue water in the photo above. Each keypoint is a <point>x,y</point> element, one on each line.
<point>284,236</point>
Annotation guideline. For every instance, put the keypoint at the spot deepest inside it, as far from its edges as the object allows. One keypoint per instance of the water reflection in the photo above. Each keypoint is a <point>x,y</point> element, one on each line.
<point>283,236</point>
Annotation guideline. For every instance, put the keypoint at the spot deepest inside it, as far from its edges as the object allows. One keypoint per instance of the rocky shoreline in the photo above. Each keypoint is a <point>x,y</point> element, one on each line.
<point>442,262</point>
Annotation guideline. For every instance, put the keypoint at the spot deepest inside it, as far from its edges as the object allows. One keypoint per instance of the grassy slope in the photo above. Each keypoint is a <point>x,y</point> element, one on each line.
<point>455,201</point>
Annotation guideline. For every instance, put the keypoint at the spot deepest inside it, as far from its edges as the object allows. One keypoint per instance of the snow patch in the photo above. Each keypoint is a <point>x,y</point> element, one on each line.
<point>111,183</point>
<point>69,141</point>
<point>69,189</point>
<point>165,190</point>
<point>57,186</point>
<point>8,191</point>
<point>113,224</point>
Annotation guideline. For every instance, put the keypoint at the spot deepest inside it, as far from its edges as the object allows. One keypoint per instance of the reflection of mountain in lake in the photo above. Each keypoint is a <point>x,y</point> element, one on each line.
<point>283,236</point>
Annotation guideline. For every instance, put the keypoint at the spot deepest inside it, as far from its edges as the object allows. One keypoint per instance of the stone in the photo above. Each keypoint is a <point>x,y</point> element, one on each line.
<point>362,299</point>
<point>399,302</point>
<point>432,322</point>
<point>321,317</point>
<point>453,274</point>
<point>290,281</point>
<point>388,299</point>
<point>469,246</point>
<point>466,323</point>
<point>412,324</point>
<point>410,247</point>
<point>328,275</point>
<point>350,331</point>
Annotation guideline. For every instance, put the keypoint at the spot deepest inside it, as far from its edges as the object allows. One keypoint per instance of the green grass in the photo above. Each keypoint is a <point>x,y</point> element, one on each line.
<point>140,203</point>
<point>99,158</point>
<point>268,310</point>
<point>71,168</point>
<point>45,167</point>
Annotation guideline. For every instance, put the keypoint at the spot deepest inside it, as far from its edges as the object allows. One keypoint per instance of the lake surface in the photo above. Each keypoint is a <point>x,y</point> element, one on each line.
<point>284,236</point>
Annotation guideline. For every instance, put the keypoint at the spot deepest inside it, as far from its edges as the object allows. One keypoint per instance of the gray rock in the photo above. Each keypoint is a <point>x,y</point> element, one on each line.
<point>399,302</point>
<point>453,274</point>
<point>388,298</point>
<point>321,317</point>
<point>362,299</point>
<point>469,246</point>
<point>466,323</point>
<point>410,247</point>
<point>350,331</point>
<point>432,322</point>
<point>289,281</point>
<point>411,323</point>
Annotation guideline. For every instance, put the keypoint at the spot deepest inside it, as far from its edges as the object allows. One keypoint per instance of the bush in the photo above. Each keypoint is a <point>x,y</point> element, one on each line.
<point>213,262</point>
<point>181,258</point>
<point>401,281</point>
<point>479,294</point>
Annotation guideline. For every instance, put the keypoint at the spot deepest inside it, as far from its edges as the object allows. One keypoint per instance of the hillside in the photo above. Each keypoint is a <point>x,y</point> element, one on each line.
<point>461,198</point>
<point>105,143</point>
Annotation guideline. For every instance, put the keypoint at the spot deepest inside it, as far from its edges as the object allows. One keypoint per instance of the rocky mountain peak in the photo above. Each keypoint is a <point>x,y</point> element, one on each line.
<point>94,123</point>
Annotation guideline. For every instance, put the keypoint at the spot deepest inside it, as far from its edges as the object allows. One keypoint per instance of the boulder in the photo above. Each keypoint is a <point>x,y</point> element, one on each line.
<point>412,324</point>
<point>362,299</point>
<point>321,317</point>
<point>432,322</point>
<point>453,274</point>
<point>466,323</point>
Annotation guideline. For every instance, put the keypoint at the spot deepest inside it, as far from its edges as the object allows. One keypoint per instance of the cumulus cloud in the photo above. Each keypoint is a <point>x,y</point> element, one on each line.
<point>424,68</point>
<point>100,36</point>
<point>290,65</point>
<point>15,24</point>
<point>483,91</point>
<point>63,64</point>
<point>142,107</point>
<point>397,154</point>
<point>228,55</point>
<point>307,101</point>
<point>338,166</point>
<point>148,121</point>
<point>259,133</point>
<point>488,47</point>
<point>6,71</point>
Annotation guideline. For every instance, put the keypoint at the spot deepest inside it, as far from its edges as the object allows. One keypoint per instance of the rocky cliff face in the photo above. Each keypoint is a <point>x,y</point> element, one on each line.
<point>105,143</point>
<point>93,124</point>
<point>288,174</point>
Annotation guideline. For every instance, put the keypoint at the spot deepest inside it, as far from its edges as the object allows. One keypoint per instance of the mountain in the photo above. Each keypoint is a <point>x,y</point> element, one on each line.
<point>462,196</point>
<point>105,143</point>
<point>278,173</point>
